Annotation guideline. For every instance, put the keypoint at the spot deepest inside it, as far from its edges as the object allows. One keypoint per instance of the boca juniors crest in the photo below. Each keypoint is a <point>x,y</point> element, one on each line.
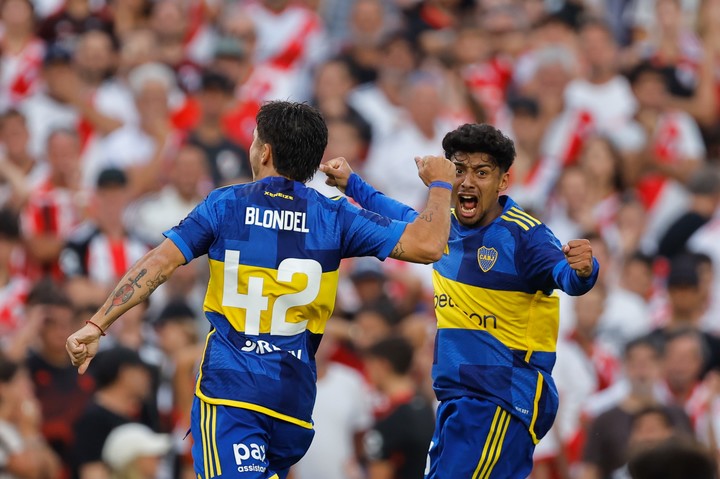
<point>486,258</point>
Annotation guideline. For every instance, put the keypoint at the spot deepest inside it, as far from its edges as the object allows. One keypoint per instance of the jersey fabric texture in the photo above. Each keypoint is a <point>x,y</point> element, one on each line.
<point>274,248</point>
<point>496,309</point>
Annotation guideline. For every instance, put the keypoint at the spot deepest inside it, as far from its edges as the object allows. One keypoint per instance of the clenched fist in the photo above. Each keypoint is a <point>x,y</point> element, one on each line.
<point>579,255</point>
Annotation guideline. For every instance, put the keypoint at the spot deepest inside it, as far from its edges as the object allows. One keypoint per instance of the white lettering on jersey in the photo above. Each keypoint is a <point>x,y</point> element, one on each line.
<point>277,219</point>
<point>243,452</point>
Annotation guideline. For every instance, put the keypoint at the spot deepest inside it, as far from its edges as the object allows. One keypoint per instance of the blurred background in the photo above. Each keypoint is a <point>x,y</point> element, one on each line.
<point>118,116</point>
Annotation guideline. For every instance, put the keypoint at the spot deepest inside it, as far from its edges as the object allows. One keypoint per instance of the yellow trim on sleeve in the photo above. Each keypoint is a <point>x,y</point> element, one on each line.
<point>520,217</point>
<point>517,222</point>
<point>520,212</point>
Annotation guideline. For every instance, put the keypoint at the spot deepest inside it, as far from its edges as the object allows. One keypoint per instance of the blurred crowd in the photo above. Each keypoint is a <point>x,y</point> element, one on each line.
<point>118,116</point>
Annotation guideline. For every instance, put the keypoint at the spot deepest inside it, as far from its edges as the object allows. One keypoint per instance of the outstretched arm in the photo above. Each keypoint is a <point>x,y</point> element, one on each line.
<point>140,281</point>
<point>340,175</point>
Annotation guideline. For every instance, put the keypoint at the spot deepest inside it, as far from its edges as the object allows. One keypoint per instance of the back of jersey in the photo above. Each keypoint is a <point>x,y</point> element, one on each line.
<point>274,248</point>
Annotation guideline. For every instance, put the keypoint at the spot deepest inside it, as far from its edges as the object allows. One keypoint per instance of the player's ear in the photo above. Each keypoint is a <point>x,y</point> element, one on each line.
<point>266,154</point>
<point>504,181</point>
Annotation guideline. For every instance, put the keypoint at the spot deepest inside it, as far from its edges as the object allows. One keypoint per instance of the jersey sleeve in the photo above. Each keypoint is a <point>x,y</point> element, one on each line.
<point>368,197</point>
<point>546,267</point>
<point>366,233</point>
<point>194,234</point>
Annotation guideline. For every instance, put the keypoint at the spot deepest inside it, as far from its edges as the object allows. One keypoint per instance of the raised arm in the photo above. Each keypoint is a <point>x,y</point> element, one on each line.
<point>139,282</point>
<point>426,237</point>
<point>340,175</point>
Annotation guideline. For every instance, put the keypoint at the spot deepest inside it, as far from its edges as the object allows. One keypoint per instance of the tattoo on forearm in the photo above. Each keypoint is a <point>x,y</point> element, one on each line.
<point>427,215</point>
<point>398,251</point>
<point>152,285</point>
<point>125,292</point>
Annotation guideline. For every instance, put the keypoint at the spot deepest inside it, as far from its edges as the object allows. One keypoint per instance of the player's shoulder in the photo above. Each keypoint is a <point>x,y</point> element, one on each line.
<point>518,220</point>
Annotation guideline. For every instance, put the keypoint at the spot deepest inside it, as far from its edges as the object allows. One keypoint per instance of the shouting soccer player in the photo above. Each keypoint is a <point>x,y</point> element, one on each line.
<point>496,312</point>
<point>274,248</point>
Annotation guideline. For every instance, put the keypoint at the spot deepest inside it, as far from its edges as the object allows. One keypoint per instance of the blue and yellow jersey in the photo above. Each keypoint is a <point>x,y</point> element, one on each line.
<point>497,312</point>
<point>274,248</point>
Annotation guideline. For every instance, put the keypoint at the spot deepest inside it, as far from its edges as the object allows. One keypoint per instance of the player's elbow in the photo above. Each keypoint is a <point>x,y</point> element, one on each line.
<point>431,252</point>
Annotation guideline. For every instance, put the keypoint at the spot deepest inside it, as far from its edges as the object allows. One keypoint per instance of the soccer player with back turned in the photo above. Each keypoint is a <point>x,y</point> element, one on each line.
<point>496,311</point>
<point>274,248</point>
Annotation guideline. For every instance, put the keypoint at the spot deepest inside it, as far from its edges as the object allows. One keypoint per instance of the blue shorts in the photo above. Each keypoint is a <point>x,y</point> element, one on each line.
<point>231,442</point>
<point>476,439</point>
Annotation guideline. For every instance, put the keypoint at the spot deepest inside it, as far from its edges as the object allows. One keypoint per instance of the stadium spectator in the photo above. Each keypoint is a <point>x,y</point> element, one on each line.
<point>61,393</point>
<point>673,460</point>
<point>667,147</point>
<point>24,453</point>
<point>627,310</point>
<point>686,308</point>
<point>342,414</point>
<point>101,249</point>
<point>227,161</point>
<point>123,385</point>
<point>73,18</point>
<point>607,439</point>
<point>22,54</point>
<point>396,445</point>
<point>188,182</point>
<point>704,186</point>
<point>14,287</point>
<point>134,451</point>
<point>601,90</point>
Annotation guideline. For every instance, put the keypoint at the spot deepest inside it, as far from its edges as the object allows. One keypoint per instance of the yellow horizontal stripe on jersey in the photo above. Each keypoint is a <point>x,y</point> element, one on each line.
<point>520,212</point>
<point>517,222</point>
<point>527,322</point>
<point>316,313</point>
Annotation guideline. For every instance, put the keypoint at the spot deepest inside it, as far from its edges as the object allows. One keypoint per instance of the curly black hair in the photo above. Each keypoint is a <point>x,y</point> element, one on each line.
<point>297,134</point>
<point>480,138</point>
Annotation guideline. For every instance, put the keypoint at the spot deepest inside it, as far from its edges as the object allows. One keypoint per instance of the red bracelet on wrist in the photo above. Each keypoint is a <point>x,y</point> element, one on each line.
<point>102,333</point>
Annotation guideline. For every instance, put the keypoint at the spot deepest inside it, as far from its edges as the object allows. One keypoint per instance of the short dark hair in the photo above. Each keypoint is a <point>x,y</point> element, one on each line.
<point>111,178</point>
<point>642,69</point>
<point>297,134</point>
<point>109,363</point>
<point>480,138</point>
<point>11,113</point>
<point>8,369</point>
<point>9,224</point>
<point>642,341</point>
<point>654,410</point>
<point>589,22</point>
<point>396,350</point>
<point>673,459</point>
<point>47,292</point>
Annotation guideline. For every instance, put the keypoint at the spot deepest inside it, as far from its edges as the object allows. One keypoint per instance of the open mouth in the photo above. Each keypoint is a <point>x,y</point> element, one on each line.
<point>468,205</point>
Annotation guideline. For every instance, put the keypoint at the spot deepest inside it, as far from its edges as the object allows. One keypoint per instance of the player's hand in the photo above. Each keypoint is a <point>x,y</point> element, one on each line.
<point>82,346</point>
<point>338,173</point>
<point>579,255</point>
<point>435,168</point>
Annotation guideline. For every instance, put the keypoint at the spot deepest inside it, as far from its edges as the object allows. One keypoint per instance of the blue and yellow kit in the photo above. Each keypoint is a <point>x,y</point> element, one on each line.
<point>497,313</point>
<point>274,248</point>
